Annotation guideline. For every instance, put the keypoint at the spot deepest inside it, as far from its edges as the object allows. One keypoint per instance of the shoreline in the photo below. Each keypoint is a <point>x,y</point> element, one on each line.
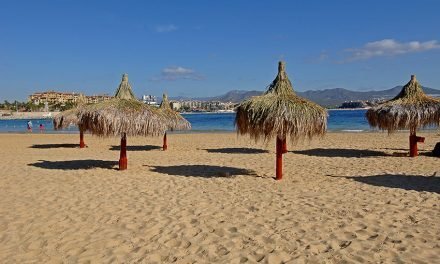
<point>51,115</point>
<point>29,115</point>
<point>347,109</point>
<point>189,132</point>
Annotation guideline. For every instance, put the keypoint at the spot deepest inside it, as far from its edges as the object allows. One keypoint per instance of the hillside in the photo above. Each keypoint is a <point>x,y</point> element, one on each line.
<point>327,97</point>
<point>236,96</point>
<point>336,96</point>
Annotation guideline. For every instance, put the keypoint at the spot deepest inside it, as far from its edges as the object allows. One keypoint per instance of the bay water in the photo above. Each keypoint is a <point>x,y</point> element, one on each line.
<point>339,120</point>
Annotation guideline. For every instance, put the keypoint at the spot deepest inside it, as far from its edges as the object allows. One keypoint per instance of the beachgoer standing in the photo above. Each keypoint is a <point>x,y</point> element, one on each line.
<point>41,128</point>
<point>29,126</point>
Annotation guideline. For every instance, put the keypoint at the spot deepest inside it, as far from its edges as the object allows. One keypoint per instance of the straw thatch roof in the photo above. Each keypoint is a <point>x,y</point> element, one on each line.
<point>122,114</point>
<point>280,112</point>
<point>124,90</point>
<point>65,119</point>
<point>174,119</point>
<point>410,109</point>
<point>69,117</point>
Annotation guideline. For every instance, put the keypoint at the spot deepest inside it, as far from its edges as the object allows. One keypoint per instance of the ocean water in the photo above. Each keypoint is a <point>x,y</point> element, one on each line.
<point>339,120</point>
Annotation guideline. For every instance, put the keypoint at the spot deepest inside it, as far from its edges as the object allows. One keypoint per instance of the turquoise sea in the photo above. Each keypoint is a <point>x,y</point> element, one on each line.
<point>339,120</point>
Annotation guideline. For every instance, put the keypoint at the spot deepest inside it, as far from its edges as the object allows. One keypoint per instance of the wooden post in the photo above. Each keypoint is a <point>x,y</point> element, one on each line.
<point>413,140</point>
<point>165,146</point>
<point>412,146</point>
<point>284,146</point>
<point>279,159</point>
<point>81,139</point>
<point>123,157</point>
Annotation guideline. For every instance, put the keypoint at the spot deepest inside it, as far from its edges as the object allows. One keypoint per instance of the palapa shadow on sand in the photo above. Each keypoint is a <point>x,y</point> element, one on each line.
<point>402,152</point>
<point>75,164</point>
<point>406,182</point>
<point>136,148</point>
<point>400,149</point>
<point>237,150</point>
<point>50,146</point>
<point>204,171</point>
<point>338,152</point>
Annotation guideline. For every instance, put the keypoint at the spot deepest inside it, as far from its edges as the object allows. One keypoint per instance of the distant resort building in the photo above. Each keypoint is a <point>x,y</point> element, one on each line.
<point>54,97</point>
<point>50,98</point>
<point>93,99</point>
<point>150,100</point>
<point>191,104</point>
<point>175,105</point>
<point>201,106</point>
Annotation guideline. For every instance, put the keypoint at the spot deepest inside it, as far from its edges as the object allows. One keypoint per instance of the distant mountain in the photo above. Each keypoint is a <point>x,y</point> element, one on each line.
<point>328,97</point>
<point>336,96</point>
<point>236,96</point>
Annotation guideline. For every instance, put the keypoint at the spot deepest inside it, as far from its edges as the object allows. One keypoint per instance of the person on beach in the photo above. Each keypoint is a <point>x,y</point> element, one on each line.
<point>29,126</point>
<point>41,128</point>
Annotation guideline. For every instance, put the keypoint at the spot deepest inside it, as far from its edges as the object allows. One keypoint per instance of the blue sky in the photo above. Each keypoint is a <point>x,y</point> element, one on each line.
<point>204,48</point>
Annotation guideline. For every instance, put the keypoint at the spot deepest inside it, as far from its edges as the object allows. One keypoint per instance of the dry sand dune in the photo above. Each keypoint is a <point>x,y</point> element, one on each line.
<point>349,198</point>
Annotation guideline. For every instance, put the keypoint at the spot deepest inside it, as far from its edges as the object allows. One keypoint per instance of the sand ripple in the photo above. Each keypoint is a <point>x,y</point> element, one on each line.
<point>349,198</point>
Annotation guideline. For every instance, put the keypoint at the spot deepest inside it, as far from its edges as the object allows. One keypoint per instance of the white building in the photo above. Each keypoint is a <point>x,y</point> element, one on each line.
<point>175,105</point>
<point>149,99</point>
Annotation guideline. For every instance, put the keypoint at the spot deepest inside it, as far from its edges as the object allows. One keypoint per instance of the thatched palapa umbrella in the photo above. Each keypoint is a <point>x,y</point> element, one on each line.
<point>121,116</point>
<point>280,113</point>
<point>410,109</point>
<point>70,118</point>
<point>175,120</point>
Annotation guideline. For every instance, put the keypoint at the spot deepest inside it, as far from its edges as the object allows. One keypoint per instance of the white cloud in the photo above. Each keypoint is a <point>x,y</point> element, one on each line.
<point>177,73</point>
<point>322,57</point>
<point>390,47</point>
<point>165,28</point>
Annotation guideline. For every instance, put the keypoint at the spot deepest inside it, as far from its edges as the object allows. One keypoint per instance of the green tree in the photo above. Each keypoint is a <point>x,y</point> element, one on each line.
<point>6,105</point>
<point>67,106</point>
<point>31,107</point>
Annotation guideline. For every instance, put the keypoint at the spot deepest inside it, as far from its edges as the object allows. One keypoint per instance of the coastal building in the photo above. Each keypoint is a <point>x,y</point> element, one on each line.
<point>217,106</point>
<point>175,105</point>
<point>209,106</point>
<point>149,99</point>
<point>191,104</point>
<point>93,99</point>
<point>54,97</point>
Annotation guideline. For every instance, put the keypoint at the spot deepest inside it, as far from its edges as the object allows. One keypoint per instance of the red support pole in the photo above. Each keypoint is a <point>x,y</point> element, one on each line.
<point>123,157</point>
<point>165,146</point>
<point>413,140</point>
<point>412,146</point>
<point>279,160</point>
<point>81,139</point>
<point>284,146</point>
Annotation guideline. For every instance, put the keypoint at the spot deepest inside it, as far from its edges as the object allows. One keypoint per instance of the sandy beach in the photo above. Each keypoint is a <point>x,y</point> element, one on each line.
<point>211,198</point>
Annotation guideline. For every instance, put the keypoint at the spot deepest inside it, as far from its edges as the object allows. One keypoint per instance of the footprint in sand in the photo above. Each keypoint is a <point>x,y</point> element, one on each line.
<point>362,234</point>
<point>219,232</point>
<point>233,229</point>
<point>344,244</point>
<point>221,250</point>
<point>373,236</point>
